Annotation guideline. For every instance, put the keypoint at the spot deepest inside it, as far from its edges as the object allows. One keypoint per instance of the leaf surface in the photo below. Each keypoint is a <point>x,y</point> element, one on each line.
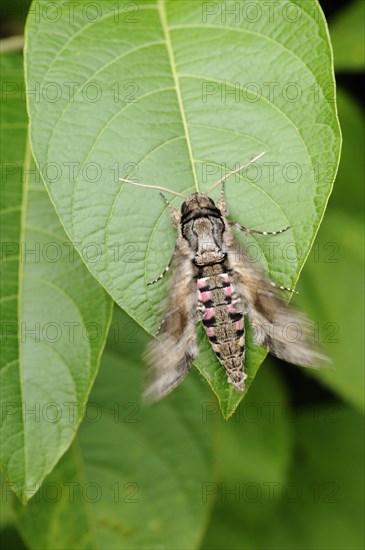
<point>54,315</point>
<point>135,475</point>
<point>174,93</point>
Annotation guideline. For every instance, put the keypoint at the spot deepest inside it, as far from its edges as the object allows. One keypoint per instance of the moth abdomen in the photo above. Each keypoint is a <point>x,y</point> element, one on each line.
<point>223,320</point>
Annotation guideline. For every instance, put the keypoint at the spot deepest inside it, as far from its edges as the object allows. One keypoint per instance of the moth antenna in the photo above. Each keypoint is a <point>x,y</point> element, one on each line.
<point>222,180</point>
<point>148,186</point>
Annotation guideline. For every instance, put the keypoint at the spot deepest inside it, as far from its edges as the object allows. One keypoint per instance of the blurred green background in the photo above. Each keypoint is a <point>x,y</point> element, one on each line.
<point>290,463</point>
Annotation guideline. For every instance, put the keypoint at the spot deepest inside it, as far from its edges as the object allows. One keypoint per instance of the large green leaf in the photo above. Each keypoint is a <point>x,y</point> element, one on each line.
<point>136,475</point>
<point>319,504</point>
<point>324,506</point>
<point>347,36</point>
<point>253,458</point>
<point>173,93</point>
<point>348,193</point>
<point>337,261</point>
<point>8,534</point>
<point>337,258</point>
<point>54,314</point>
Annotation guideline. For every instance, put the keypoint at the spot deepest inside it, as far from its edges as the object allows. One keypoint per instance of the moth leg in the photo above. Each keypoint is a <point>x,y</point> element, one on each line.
<point>175,215</point>
<point>163,273</point>
<point>175,220</point>
<point>200,309</point>
<point>275,285</point>
<point>248,231</point>
<point>221,202</point>
<point>159,327</point>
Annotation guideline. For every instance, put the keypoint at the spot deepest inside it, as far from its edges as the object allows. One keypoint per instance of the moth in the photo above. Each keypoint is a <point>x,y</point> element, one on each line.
<point>215,282</point>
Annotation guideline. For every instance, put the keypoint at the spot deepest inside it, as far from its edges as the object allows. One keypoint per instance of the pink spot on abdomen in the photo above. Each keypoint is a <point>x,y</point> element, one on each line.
<point>205,296</point>
<point>209,313</point>
<point>201,283</point>
<point>209,331</point>
<point>239,324</point>
<point>228,291</point>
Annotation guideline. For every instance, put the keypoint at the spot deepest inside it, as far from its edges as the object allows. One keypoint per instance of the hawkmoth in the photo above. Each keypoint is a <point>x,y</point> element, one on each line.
<point>213,281</point>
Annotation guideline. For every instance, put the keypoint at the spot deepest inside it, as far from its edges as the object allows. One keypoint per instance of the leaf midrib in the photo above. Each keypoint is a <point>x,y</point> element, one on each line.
<point>165,27</point>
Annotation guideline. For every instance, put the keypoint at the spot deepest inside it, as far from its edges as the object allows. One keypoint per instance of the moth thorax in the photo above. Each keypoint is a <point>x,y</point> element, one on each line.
<point>209,255</point>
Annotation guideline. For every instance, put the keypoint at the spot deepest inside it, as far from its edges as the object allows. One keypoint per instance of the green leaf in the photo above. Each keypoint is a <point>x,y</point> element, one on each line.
<point>54,314</point>
<point>6,516</point>
<point>173,93</point>
<point>136,474</point>
<point>8,534</point>
<point>10,538</point>
<point>337,258</point>
<point>324,507</point>
<point>254,455</point>
<point>347,36</point>
<point>348,192</point>
<point>319,504</point>
<point>332,290</point>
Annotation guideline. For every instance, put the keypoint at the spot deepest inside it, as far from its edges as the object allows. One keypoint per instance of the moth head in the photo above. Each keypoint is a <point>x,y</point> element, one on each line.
<point>202,226</point>
<point>196,201</point>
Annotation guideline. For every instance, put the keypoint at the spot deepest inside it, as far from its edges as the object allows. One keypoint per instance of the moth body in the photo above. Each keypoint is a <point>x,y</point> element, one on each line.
<point>215,282</point>
<point>202,226</point>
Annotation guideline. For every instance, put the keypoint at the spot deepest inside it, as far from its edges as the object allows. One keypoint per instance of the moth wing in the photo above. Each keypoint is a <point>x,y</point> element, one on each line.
<point>169,357</point>
<point>287,333</point>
